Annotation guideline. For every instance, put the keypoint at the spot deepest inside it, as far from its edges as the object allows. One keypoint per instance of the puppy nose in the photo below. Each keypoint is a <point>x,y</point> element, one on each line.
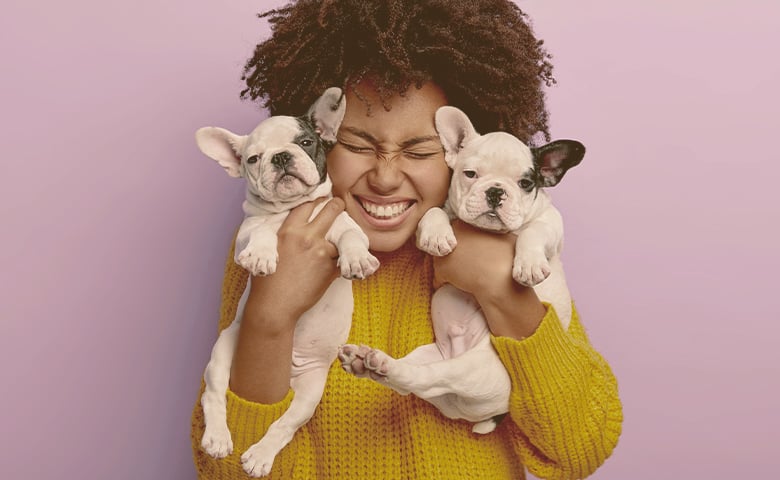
<point>281,160</point>
<point>494,195</point>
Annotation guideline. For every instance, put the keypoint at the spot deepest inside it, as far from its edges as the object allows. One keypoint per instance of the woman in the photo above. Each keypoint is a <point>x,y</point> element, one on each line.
<point>398,61</point>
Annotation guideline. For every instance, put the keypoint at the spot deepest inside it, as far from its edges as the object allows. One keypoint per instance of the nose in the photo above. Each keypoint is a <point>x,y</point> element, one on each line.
<point>281,160</point>
<point>494,195</point>
<point>385,177</point>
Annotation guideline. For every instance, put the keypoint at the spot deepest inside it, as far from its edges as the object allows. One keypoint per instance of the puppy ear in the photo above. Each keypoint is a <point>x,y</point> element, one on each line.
<point>554,159</point>
<point>223,146</point>
<point>455,131</point>
<point>327,113</point>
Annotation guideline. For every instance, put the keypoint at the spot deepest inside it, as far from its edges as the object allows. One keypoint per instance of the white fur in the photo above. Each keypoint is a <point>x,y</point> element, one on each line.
<point>322,329</point>
<point>461,373</point>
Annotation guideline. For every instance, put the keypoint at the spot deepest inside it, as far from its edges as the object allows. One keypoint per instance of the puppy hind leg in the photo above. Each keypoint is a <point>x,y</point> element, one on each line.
<point>308,386</point>
<point>216,439</point>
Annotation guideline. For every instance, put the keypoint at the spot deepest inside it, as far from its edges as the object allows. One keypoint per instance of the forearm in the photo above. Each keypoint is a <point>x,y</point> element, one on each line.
<point>512,311</point>
<point>260,370</point>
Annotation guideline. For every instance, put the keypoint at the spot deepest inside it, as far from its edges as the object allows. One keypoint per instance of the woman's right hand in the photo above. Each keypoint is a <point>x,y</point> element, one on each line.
<point>306,267</point>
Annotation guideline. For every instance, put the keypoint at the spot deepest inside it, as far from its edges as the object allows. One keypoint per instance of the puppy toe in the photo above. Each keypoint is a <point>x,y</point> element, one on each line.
<point>376,361</point>
<point>352,359</point>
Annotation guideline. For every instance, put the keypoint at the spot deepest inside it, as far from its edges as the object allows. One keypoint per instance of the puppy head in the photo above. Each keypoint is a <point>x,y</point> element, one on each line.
<point>283,158</point>
<point>496,177</point>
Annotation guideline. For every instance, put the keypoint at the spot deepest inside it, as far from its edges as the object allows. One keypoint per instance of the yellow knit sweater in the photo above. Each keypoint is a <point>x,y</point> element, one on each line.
<point>564,421</point>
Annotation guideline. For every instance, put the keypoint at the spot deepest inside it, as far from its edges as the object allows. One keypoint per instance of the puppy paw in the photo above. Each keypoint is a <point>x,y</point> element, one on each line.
<point>258,459</point>
<point>216,441</point>
<point>530,269</point>
<point>434,233</point>
<point>363,361</point>
<point>258,262</point>
<point>437,243</point>
<point>357,263</point>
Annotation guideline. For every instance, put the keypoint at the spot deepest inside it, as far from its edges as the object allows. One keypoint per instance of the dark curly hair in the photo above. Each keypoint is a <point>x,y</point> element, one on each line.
<point>482,53</point>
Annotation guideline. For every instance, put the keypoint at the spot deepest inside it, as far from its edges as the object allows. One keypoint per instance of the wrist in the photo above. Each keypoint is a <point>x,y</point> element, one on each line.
<point>515,312</point>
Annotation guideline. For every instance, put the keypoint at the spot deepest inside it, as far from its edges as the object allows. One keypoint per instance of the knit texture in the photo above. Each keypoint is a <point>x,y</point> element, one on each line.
<point>564,421</point>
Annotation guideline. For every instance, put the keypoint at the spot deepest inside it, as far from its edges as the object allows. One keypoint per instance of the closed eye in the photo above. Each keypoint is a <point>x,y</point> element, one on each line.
<point>419,155</point>
<point>355,148</point>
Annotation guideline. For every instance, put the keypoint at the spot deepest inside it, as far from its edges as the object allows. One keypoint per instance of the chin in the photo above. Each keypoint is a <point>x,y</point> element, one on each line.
<point>387,241</point>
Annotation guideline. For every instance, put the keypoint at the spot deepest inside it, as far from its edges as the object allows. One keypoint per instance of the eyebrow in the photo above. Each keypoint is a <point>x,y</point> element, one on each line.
<point>405,144</point>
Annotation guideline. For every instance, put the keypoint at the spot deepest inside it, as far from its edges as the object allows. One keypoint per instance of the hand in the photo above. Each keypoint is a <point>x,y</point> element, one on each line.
<point>481,265</point>
<point>306,267</point>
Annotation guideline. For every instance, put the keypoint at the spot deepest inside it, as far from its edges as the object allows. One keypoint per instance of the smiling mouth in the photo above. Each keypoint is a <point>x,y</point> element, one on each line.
<point>384,211</point>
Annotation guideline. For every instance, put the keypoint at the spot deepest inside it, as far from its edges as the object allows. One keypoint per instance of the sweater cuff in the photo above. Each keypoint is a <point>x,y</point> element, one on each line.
<point>531,359</point>
<point>248,421</point>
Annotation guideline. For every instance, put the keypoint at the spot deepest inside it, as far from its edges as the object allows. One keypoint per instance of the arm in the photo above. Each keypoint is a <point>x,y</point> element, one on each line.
<point>261,364</point>
<point>481,265</point>
<point>564,402</point>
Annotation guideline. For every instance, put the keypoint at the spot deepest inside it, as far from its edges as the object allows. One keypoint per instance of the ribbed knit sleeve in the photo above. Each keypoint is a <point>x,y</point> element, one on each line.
<point>248,422</point>
<point>564,400</point>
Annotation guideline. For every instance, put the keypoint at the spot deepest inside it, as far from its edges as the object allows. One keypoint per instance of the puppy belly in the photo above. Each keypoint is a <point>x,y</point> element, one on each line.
<point>323,328</point>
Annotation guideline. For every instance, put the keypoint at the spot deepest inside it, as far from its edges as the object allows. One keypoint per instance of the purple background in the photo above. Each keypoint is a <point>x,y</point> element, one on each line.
<point>115,227</point>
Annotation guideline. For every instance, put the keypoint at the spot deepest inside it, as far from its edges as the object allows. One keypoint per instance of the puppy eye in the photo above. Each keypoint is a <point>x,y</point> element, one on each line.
<point>306,143</point>
<point>526,184</point>
<point>253,159</point>
<point>469,173</point>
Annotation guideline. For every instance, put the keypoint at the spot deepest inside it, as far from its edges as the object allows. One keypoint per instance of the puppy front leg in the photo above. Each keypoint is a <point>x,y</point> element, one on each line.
<point>434,233</point>
<point>308,387</point>
<point>256,246</point>
<point>537,242</point>
<point>355,261</point>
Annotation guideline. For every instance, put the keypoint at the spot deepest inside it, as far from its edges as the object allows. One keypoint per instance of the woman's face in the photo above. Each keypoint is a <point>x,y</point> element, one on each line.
<point>389,166</point>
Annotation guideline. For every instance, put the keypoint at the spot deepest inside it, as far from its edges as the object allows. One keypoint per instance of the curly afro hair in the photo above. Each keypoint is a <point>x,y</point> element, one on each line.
<point>482,53</point>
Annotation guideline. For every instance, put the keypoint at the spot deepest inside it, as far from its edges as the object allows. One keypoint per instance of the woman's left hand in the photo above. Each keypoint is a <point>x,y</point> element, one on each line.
<point>481,265</point>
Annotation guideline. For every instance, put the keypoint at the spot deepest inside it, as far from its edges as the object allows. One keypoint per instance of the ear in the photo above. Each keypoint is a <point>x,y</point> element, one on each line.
<point>327,113</point>
<point>455,131</point>
<point>223,146</point>
<point>554,159</point>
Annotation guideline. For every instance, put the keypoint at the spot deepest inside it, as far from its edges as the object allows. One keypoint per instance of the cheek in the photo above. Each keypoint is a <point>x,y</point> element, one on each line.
<point>343,173</point>
<point>434,182</point>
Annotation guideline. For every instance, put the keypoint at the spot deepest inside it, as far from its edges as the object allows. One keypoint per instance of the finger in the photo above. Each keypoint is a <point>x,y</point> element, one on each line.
<point>300,215</point>
<point>323,221</point>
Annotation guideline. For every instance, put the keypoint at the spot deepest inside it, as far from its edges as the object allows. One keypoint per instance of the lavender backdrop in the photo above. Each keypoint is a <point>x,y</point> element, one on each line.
<point>115,227</point>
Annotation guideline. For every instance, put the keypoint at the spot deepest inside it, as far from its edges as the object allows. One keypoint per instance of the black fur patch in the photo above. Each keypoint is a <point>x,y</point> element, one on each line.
<point>317,149</point>
<point>533,180</point>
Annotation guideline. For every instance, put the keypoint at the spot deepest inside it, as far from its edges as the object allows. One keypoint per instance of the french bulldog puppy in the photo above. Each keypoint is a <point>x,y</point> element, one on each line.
<point>498,185</point>
<point>283,162</point>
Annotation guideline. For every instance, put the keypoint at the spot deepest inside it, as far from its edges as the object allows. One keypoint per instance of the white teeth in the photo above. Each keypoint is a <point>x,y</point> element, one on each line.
<point>385,211</point>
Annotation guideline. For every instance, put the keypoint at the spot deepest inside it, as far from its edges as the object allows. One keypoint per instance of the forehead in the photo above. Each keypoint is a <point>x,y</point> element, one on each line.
<point>499,148</point>
<point>408,116</point>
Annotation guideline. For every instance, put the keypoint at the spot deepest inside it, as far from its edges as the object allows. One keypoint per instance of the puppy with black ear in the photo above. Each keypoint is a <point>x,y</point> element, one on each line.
<point>497,185</point>
<point>283,163</point>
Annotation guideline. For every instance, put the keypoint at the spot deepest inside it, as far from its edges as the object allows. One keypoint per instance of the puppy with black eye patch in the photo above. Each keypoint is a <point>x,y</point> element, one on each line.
<point>497,185</point>
<point>283,163</point>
